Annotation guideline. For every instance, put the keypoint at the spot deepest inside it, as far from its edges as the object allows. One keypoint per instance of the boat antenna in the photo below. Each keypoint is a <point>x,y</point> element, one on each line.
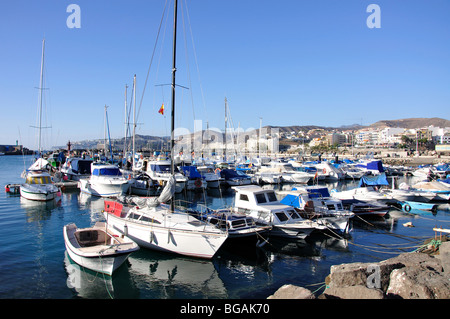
<point>172,137</point>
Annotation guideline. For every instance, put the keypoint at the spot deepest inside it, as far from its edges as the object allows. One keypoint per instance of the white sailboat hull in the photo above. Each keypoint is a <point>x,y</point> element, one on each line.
<point>174,240</point>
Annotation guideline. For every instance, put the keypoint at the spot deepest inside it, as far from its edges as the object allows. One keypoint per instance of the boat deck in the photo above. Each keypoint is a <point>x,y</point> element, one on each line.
<point>69,185</point>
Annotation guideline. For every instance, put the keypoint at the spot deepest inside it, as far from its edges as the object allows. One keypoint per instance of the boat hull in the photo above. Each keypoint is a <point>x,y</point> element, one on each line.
<point>94,188</point>
<point>105,265</point>
<point>32,192</point>
<point>288,231</point>
<point>103,258</point>
<point>179,241</point>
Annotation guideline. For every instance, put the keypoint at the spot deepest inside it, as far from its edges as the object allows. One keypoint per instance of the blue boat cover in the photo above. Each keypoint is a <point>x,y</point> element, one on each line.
<point>291,200</point>
<point>230,173</point>
<point>191,172</point>
<point>376,180</point>
<point>374,165</point>
<point>318,192</point>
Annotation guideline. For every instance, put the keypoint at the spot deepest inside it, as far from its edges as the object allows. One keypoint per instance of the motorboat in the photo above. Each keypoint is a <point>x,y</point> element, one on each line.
<point>439,189</point>
<point>237,225</point>
<point>98,248</point>
<point>195,180</point>
<point>143,185</point>
<point>365,208</point>
<point>368,190</point>
<point>153,225</point>
<point>38,186</point>
<point>210,177</point>
<point>106,180</point>
<point>159,171</point>
<point>288,173</point>
<point>263,206</point>
<point>329,172</point>
<point>232,177</point>
<point>76,168</point>
<point>315,202</point>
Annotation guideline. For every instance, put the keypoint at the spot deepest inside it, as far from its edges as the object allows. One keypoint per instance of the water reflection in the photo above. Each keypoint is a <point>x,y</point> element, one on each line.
<point>92,285</point>
<point>168,276</point>
<point>37,210</point>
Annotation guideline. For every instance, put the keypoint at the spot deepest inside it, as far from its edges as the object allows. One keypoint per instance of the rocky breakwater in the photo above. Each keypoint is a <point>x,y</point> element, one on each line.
<point>407,276</point>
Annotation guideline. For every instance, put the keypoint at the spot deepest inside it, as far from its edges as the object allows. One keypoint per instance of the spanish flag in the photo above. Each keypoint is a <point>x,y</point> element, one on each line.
<point>161,110</point>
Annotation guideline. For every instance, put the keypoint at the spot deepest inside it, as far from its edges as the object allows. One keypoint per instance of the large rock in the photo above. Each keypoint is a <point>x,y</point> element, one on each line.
<point>444,257</point>
<point>292,292</point>
<point>418,283</point>
<point>409,275</point>
<point>353,292</point>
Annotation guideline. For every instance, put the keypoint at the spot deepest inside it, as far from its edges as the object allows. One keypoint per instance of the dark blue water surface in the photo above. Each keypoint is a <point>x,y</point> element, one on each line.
<point>33,263</point>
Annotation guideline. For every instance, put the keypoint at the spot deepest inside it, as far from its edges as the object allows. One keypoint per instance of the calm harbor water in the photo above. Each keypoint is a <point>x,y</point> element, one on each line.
<point>33,263</point>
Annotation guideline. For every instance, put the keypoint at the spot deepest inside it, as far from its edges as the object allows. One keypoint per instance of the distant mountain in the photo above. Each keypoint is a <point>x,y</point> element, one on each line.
<point>155,142</point>
<point>412,123</point>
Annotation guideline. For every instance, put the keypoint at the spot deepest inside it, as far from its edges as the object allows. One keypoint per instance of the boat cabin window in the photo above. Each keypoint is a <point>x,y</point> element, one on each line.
<point>331,207</point>
<point>293,214</point>
<point>260,198</point>
<point>282,216</point>
<point>243,197</point>
<point>238,223</point>
<point>271,196</point>
<point>150,220</point>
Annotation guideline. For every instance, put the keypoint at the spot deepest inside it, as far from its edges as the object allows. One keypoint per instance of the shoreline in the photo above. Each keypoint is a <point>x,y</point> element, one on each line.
<point>421,274</point>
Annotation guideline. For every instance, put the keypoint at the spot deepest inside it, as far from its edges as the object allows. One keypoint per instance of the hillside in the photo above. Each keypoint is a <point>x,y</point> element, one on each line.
<point>155,142</point>
<point>412,123</point>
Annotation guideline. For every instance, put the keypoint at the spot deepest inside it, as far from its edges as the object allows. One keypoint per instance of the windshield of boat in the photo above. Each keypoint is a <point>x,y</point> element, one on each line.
<point>271,196</point>
<point>110,171</point>
<point>38,180</point>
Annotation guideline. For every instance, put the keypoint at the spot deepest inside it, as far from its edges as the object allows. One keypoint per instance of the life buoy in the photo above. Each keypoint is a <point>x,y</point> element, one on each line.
<point>198,182</point>
<point>324,171</point>
<point>217,170</point>
<point>407,208</point>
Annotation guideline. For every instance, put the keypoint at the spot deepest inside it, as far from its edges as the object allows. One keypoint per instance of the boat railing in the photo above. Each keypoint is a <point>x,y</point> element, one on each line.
<point>196,213</point>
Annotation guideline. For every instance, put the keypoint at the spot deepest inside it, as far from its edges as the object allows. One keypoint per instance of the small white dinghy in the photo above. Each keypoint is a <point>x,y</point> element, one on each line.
<point>97,248</point>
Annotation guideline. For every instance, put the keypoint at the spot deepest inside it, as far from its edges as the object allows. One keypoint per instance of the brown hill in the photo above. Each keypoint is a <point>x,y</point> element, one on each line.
<point>412,123</point>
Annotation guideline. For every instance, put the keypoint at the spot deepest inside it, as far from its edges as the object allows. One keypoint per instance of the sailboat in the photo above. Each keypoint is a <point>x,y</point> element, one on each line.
<point>38,182</point>
<point>155,225</point>
<point>106,180</point>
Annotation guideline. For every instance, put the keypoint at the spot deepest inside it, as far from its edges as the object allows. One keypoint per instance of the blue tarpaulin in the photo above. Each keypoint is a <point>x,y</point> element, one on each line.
<point>230,173</point>
<point>376,180</point>
<point>374,165</point>
<point>318,192</point>
<point>292,200</point>
<point>191,172</point>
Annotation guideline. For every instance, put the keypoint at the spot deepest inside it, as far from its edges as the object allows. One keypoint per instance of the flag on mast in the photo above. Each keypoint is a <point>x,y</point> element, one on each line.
<point>161,110</point>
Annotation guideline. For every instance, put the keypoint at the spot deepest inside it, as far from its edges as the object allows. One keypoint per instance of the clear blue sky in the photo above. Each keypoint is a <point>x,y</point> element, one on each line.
<point>292,62</point>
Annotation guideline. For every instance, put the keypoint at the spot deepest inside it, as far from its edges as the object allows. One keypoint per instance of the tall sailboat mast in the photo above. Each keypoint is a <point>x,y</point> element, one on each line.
<point>172,136</point>
<point>41,87</point>
<point>134,120</point>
